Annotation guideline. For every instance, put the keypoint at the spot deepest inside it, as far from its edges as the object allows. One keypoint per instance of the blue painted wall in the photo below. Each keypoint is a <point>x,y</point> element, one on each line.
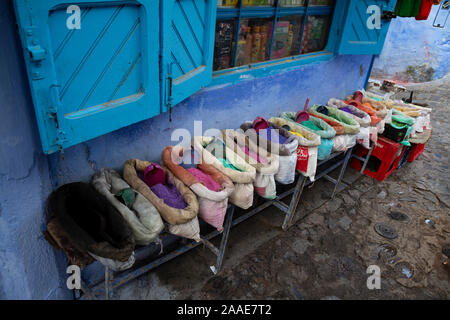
<point>412,42</point>
<point>31,268</point>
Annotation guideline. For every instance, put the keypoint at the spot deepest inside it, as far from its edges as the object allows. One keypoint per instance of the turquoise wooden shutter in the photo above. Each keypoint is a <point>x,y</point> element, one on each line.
<point>355,37</point>
<point>188,47</point>
<point>90,81</point>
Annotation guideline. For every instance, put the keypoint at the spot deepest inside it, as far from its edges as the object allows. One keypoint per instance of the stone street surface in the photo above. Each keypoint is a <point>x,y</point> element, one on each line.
<point>325,254</point>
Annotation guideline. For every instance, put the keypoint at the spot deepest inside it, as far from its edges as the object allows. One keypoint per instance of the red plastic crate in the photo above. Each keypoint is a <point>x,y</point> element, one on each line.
<point>416,150</point>
<point>386,152</point>
<point>393,167</point>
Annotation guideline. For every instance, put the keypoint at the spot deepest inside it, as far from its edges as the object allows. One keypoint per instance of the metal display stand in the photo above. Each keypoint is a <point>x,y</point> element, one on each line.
<point>366,159</point>
<point>113,280</point>
<point>297,191</point>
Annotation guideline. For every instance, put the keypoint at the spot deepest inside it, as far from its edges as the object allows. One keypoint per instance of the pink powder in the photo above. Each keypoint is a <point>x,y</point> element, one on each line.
<point>206,179</point>
<point>253,155</point>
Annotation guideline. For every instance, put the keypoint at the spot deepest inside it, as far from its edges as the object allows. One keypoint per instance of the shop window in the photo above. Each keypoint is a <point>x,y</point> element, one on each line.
<point>254,31</point>
<point>315,34</point>
<point>224,39</point>
<point>287,37</point>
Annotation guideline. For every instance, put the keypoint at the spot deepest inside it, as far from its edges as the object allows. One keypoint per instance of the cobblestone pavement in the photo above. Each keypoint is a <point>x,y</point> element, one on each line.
<point>326,254</point>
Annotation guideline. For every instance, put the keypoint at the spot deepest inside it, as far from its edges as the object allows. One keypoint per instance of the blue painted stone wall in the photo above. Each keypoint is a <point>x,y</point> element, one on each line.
<point>412,42</point>
<point>29,267</point>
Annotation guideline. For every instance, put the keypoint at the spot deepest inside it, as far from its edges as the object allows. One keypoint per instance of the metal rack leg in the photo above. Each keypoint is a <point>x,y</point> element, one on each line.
<point>341,173</point>
<point>87,291</point>
<point>223,243</point>
<point>294,202</point>
<point>109,287</point>
<point>366,160</point>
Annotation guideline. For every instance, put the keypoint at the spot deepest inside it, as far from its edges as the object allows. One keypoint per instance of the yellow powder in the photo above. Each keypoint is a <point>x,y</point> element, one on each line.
<point>296,133</point>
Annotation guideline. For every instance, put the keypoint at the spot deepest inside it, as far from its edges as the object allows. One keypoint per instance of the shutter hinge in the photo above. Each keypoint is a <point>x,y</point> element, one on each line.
<point>36,54</point>
<point>55,114</point>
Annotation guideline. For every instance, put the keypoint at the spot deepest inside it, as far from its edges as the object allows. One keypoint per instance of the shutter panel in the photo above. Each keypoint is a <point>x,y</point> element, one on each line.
<point>356,37</point>
<point>188,47</point>
<point>94,80</point>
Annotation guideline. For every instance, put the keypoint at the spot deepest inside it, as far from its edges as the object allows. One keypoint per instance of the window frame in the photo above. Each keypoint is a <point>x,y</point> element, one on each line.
<point>262,69</point>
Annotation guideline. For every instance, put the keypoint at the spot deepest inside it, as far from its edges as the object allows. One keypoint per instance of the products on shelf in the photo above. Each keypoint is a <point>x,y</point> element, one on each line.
<point>282,3</point>
<point>253,42</point>
<point>223,45</point>
<point>290,40</point>
<point>248,3</point>
<point>280,41</point>
<point>256,45</point>
<point>263,43</point>
<point>244,42</point>
<point>314,34</point>
<point>227,3</point>
<point>248,46</point>
<point>291,3</point>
